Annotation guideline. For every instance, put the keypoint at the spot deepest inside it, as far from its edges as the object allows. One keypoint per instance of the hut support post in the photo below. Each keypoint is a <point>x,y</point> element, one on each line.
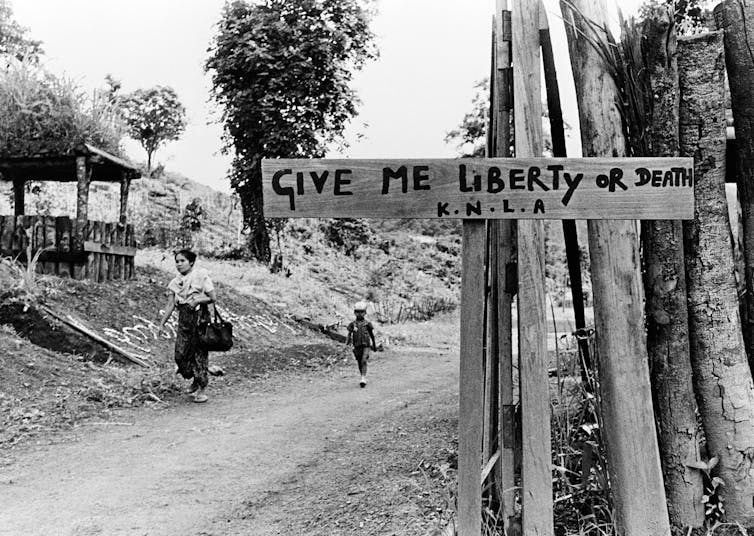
<point>18,196</point>
<point>125,184</point>
<point>83,176</point>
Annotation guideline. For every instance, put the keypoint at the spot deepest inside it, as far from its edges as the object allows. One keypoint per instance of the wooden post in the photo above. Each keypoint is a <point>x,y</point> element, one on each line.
<point>125,183</point>
<point>471,396</point>
<point>18,197</point>
<point>665,287</point>
<point>722,378</point>
<point>83,175</point>
<point>570,234</point>
<point>626,397</point>
<point>536,475</point>
<point>505,279</point>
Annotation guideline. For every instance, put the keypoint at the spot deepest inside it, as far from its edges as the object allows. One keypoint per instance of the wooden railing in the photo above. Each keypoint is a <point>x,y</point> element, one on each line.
<point>105,252</point>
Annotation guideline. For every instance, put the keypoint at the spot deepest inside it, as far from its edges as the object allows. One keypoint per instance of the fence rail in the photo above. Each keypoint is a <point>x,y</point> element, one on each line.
<point>105,253</point>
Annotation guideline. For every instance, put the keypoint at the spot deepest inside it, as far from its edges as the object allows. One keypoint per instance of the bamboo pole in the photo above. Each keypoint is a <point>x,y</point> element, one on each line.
<point>626,398</point>
<point>536,476</point>
<point>96,338</point>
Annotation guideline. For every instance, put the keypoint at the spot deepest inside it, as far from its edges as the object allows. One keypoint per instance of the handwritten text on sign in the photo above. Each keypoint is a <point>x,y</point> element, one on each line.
<point>492,188</point>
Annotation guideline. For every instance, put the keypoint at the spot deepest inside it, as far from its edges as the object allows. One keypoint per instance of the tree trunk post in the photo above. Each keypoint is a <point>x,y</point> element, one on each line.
<point>665,287</point>
<point>626,397</point>
<point>125,184</point>
<point>18,197</point>
<point>736,18</point>
<point>83,176</point>
<point>536,473</point>
<point>722,377</point>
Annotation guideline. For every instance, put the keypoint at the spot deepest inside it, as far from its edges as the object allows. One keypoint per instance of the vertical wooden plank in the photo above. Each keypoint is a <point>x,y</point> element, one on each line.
<point>108,237</point>
<point>49,241</point>
<point>6,238</point>
<point>120,260</point>
<point>38,231</point>
<point>125,183</point>
<point>19,187</point>
<point>103,257</point>
<point>627,413</point>
<point>504,253</point>
<point>471,396</point>
<point>79,270</point>
<point>536,476</point>
<point>130,241</point>
<point>92,267</point>
<point>18,235</point>
<point>83,174</point>
<point>63,227</point>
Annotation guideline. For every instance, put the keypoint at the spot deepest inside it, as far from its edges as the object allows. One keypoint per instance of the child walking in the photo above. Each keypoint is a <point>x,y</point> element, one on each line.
<point>361,335</point>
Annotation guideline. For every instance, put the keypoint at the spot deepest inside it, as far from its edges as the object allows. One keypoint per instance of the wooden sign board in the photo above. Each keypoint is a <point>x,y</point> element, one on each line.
<point>480,188</point>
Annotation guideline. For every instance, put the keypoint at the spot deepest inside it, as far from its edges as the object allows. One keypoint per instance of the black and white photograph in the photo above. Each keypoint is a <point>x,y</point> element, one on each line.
<point>376,268</point>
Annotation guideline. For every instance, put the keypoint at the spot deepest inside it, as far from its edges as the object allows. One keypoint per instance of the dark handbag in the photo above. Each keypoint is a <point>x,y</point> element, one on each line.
<point>214,335</point>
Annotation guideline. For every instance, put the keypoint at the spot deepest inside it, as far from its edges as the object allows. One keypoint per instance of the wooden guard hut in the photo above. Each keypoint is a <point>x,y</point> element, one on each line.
<point>77,248</point>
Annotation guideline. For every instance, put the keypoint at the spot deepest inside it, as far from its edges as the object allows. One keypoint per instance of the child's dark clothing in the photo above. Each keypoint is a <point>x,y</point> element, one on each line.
<point>361,333</point>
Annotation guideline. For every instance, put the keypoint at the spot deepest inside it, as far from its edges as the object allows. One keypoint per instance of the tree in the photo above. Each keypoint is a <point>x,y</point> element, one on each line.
<point>281,72</point>
<point>154,116</point>
<point>13,37</point>
<point>470,135</point>
<point>722,379</point>
<point>472,131</point>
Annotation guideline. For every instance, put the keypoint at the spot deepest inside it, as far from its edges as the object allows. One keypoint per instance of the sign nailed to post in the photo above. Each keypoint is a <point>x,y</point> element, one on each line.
<point>488,188</point>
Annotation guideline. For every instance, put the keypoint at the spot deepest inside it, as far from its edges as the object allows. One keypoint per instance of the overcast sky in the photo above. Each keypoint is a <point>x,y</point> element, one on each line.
<point>431,54</point>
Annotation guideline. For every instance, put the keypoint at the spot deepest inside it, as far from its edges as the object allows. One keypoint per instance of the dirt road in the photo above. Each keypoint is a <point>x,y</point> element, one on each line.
<point>300,454</point>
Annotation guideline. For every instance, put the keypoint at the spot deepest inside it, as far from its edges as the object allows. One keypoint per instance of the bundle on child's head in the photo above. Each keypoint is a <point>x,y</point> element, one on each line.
<point>360,306</point>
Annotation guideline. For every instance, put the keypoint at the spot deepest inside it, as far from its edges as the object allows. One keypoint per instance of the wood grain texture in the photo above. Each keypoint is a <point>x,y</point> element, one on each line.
<point>626,399</point>
<point>536,475</point>
<point>480,188</point>
<point>471,397</point>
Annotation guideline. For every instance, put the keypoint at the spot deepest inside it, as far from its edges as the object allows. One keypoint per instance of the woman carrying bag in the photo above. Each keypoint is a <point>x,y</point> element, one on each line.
<point>190,291</point>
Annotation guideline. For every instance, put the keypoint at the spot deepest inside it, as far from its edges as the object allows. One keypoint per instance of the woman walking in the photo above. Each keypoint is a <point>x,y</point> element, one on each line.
<point>189,290</point>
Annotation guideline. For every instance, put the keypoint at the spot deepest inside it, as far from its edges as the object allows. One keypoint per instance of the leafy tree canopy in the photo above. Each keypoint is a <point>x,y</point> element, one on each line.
<point>154,116</point>
<point>281,72</point>
<point>469,136</point>
<point>13,37</point>
<point>690,15</point>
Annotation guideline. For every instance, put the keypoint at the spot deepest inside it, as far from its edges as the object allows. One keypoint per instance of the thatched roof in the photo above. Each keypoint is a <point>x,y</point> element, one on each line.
<point>62,168</point>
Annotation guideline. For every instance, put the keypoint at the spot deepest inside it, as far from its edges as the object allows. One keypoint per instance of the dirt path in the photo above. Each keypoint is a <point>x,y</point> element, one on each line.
<point>304,454</point>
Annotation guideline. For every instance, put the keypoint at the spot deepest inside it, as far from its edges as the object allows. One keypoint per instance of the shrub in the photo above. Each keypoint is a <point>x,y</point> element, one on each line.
<point>43,113</point>
<point>347,234</point>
